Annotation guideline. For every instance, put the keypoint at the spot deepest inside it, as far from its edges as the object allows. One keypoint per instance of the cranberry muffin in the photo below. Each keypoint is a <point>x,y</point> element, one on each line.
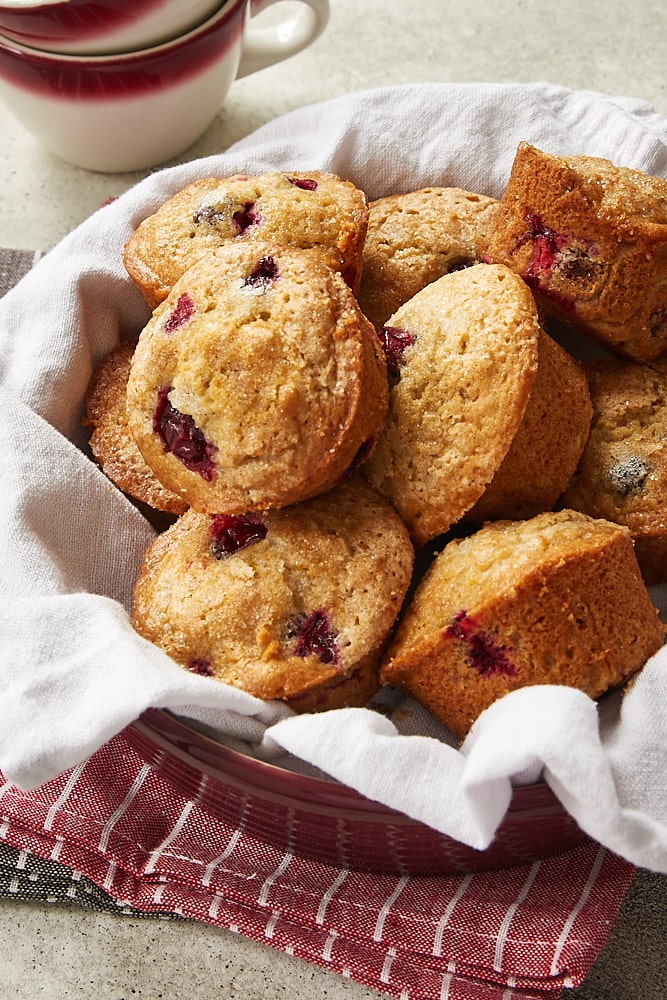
<point>295,605</point>
<point>258,382</point>
<point>556,599</point>
<point>622,475</point>
<point>546,448</point>
<point>415,238</point>
<point>314,209</point>
<point>463,357</point>
<point>590,238</point>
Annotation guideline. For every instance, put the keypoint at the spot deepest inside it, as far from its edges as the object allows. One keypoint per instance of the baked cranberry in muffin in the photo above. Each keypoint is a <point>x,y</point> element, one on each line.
<point>111,441</point>
<point>296,604</point>
<point>465,355</point>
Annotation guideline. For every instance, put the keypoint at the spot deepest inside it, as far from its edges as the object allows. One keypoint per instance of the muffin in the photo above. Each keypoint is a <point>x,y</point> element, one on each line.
<point>111,442</point>
<point>462,355</point>
<point>415,238</point>
<point>557,599</point>
<point>258,382</point>
<point>314,209</point>
<point>547,446</point>
<point>295,605</point>
<point>622,475</point>
<point>590,238</point>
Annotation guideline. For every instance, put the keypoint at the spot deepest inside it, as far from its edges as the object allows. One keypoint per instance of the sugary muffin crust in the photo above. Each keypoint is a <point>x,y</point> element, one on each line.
<point>314,209</point>
<point>294,604</point>
<point>622,475</point>
<point>547,446</point>
<point>556,599</point>
<point>258,382</point>
<point>466,358</point>
<point>590,238</point>
<point>415,238</point>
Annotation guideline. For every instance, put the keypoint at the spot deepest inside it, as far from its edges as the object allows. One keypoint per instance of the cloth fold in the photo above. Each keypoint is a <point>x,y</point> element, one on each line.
<point>72,671</point>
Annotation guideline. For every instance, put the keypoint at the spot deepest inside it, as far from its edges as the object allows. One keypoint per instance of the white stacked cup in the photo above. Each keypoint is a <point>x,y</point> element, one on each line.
<point>119,85</point>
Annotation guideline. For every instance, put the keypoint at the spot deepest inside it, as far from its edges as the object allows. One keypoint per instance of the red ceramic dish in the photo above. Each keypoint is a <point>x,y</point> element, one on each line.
<point>331,823</point>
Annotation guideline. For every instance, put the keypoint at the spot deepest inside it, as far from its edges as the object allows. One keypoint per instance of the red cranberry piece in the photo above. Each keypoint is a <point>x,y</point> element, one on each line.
<point>244,219</point>
<point>305,183</point>
<point>314,636</point>
<point>201,667</point>
<point>181,436</point>
<point>484,654</point>
<point>395,343</point>
<point>265,270</point>
<point>230,534</point>
<point>547,243</point>
<point>185,307</point>
<point>548,247</point>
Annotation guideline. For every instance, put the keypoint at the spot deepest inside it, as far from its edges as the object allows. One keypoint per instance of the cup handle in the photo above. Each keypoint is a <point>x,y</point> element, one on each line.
<point>263,47</point>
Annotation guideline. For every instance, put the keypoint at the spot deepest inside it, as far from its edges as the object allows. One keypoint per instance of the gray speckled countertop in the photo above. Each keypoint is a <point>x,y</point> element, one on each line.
<point>59,951</point>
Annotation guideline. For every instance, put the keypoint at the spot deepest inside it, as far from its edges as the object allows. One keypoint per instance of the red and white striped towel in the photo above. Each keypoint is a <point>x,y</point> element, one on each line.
<point>122,820</point>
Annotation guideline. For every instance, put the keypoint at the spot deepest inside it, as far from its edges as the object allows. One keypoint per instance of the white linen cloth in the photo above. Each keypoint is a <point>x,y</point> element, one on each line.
<point>72,670</point>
